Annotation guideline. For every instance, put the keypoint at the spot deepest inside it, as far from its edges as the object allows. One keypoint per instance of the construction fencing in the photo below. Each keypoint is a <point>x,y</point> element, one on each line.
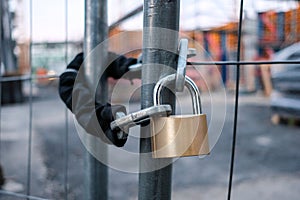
<point>23,136</point>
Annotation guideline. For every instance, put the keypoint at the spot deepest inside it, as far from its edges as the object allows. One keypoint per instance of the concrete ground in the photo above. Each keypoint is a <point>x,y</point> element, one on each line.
<point>267,164</point>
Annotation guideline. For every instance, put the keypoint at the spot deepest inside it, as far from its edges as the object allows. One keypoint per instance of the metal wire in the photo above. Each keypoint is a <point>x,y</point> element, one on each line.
<point>28,78</point>
<point>66,110</point>
<point>66,169</point>
<point>3,192</point>
<point>236,101</point>
<point>127,16</point>
<point>262,62</point>
<point>30,103</point>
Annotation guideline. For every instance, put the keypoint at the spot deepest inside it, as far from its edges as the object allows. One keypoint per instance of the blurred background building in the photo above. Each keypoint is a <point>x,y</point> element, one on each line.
<point>267,27</point>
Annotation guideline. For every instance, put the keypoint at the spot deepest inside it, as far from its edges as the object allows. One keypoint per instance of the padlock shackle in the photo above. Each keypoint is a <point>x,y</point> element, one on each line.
<point>195,93</point>
<point>189,83</point>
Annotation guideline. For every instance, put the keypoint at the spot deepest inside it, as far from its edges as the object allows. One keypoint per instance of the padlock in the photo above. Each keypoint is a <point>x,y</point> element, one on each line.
<point>179,135</point>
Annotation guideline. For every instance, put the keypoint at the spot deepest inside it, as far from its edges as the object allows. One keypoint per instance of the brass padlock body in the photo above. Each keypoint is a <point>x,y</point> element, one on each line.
<point>178,136</point>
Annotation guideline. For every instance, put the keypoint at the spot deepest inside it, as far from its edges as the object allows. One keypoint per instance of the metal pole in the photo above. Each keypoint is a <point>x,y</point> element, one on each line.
<point>28,189</point>
<point>96,31</point>
<point>66,142</point>
<point>157,14</point>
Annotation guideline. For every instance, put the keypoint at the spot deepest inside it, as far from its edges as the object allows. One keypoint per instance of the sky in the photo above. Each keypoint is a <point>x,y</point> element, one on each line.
<point>49,16</point>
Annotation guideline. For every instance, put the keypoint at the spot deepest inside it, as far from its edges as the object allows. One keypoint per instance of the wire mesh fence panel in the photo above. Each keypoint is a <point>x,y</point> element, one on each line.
<point>40,152</point>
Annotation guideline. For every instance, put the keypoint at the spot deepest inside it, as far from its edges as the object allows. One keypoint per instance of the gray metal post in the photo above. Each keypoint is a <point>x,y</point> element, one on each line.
<point>157,14</point>
<point>96,31</point>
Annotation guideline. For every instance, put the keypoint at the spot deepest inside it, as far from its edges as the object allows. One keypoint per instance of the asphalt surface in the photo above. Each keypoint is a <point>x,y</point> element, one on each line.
<point>267,164</point>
